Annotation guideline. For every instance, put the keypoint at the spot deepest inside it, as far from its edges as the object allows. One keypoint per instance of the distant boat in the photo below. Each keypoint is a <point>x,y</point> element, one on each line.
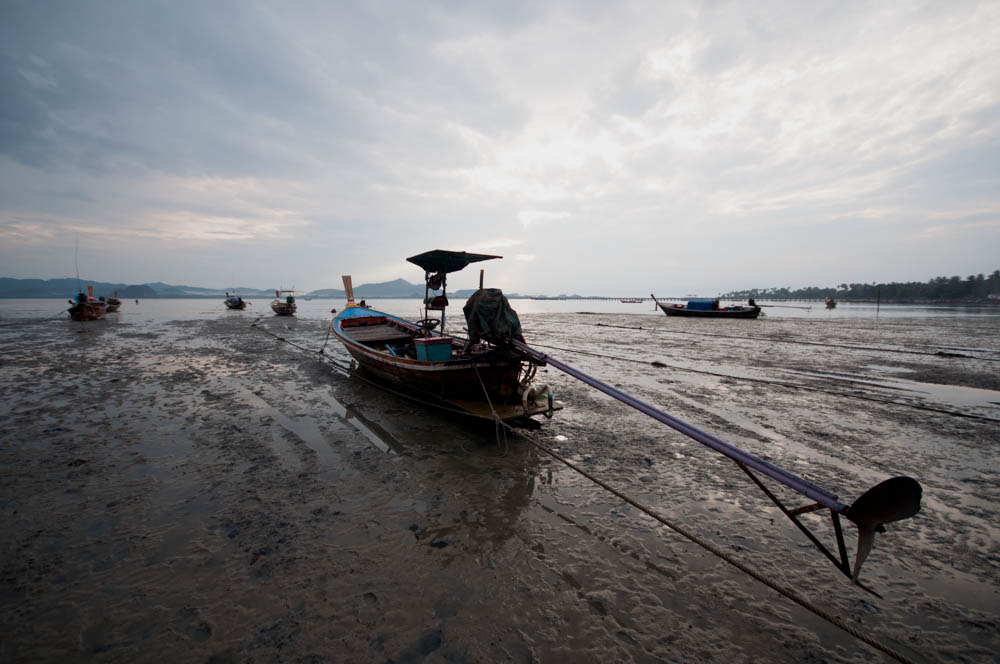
<point>482,376</point>
<point>830,302</point>
<point>709,308</point>
<point>235,302</point>
<point>283,306</point>
<point>114,304</point>
<point>86,306</point>
<point>632,300</point>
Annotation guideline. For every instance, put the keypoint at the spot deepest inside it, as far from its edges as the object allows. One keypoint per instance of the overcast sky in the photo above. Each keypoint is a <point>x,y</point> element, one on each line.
<point>601,147</point>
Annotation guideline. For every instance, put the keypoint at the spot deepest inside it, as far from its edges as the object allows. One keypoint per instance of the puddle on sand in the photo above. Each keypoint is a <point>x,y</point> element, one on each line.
<point>955,396</point>
<point>305,430</point>
<point>374,433</point>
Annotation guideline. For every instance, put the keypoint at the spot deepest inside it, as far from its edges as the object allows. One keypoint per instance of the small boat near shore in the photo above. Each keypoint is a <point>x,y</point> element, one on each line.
<point>483,375</point>
<point>830,302</point>
<point>114,304</point>
<point>86,307</point>
<point>284,306</point>
<point>235,302</point>
<point>709,308</point>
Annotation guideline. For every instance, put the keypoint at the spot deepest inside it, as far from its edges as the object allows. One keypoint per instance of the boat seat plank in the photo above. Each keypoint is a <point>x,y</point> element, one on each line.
<point>383,333</point>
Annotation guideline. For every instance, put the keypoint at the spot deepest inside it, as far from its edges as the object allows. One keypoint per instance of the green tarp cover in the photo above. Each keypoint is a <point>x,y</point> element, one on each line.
<point>440,260</point>
<point>490,317</point>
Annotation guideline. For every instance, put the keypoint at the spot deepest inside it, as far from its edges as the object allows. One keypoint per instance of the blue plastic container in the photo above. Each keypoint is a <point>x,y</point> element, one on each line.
<point>433,349</point>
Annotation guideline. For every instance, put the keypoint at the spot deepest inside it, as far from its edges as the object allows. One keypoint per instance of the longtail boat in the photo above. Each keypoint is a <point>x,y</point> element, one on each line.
<point>114,304</point>
<point>416,355</point>
<point>235,302</point>
<point>708,308</point>
<point>86,306</point>
<point>482,375</point>
<point>283,306</point>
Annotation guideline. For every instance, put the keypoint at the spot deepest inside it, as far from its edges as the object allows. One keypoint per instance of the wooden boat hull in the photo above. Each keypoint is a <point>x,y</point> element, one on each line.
<point>87,310</point>
<point>729,312</point>
<point>236,304</point>
<point>114,304</point>
<point>283,308</point>
<point>476,385</point>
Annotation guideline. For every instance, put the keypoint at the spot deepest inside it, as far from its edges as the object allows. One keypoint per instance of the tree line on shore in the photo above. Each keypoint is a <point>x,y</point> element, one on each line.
<point>975,287</point>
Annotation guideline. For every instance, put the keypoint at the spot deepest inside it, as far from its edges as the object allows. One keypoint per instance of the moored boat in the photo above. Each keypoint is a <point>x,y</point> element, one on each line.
<point>114,304</point>
<point>284,306</point>
<point>482,375</point>
<point>86,307</point>
<point>235,302</point>
<point>709,308</point>
<point>830,302</point>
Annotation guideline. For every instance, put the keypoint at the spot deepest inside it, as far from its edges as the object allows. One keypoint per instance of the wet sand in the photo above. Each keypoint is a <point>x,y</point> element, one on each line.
<point>197,491</point>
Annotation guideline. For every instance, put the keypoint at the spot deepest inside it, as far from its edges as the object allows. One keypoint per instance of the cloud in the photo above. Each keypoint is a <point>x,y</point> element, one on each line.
<point>531,217</point>
<point>310,138</point>
<point>495,244</point>
<point>987,221</point>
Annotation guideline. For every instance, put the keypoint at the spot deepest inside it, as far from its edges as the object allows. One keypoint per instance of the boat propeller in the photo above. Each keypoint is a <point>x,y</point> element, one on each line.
<point>894,499</point>
<point>533,394</point>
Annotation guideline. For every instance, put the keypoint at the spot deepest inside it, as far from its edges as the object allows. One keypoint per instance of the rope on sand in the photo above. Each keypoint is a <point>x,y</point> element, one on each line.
<point>714,549</point>
<point>692,537</point>
<point>718,552</point>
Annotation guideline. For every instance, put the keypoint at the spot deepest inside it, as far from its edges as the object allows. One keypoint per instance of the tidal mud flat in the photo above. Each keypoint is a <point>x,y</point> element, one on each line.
<point>197,490</point>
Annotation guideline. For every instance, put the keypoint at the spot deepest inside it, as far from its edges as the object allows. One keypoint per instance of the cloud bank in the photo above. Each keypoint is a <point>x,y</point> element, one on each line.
<point>608,149</point>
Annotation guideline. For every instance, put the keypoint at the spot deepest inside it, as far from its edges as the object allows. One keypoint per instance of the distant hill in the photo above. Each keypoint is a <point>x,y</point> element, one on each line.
<point>48,288</point>
<point>396,288</point>
<point>170,290</point>
<point>68,287</point>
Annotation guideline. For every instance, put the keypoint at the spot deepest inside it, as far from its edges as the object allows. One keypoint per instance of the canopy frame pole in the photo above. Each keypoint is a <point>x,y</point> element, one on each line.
<point>427,291</point>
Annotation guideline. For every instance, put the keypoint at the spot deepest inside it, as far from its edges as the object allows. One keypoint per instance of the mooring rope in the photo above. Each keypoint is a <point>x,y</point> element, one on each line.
<point>796,386</point>
<point>717,551</point>
<point>690,536</point>
<point>497,422</point>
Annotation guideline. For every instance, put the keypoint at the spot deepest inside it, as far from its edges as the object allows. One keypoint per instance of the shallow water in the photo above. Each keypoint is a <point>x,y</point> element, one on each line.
<point>178,485</point>
<point>162,310</point>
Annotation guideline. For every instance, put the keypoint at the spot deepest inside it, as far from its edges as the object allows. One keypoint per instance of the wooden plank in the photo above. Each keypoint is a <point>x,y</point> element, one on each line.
<point>370,333</point>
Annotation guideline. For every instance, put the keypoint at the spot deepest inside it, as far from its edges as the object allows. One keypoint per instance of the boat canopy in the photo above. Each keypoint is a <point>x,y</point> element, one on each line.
<point>703,304</point>
<point>442,261</point>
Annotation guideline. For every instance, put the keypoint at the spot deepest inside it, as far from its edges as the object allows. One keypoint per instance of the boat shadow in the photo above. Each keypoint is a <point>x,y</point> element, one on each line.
<point>481,476</point>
